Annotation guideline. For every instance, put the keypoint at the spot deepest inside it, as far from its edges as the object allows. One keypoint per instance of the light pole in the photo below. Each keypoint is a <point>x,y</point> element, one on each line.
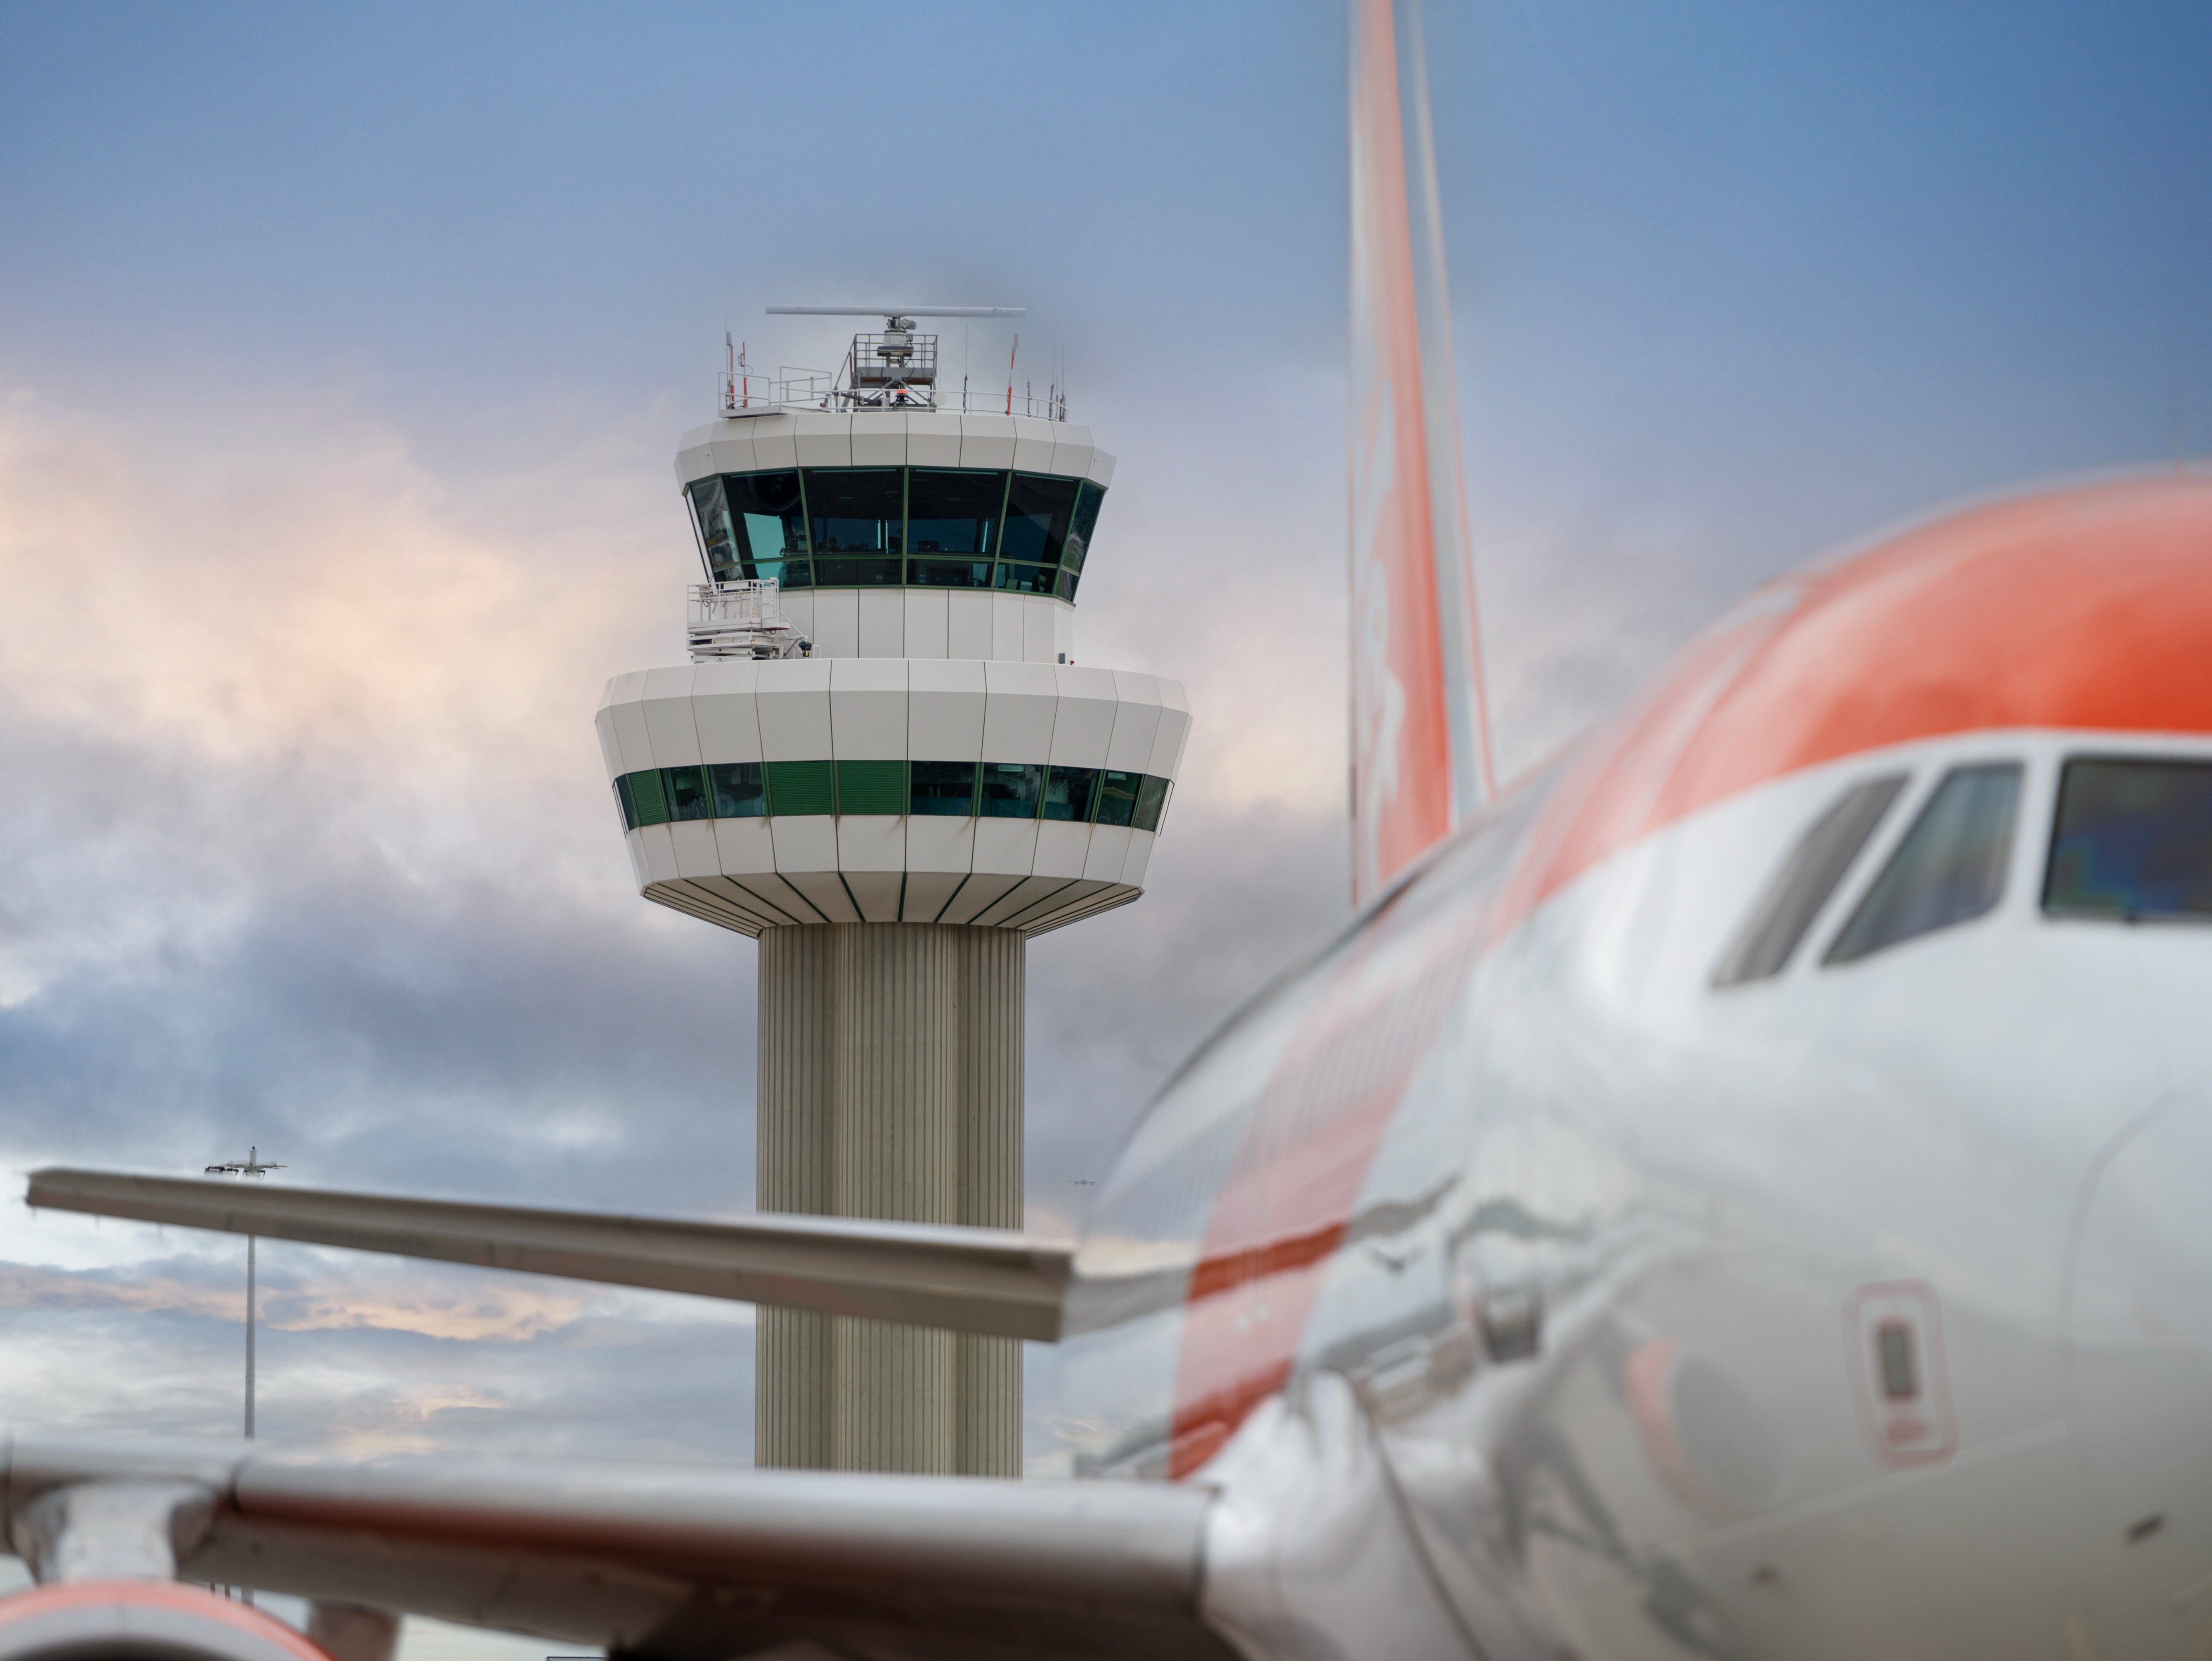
<point>251,1165</point>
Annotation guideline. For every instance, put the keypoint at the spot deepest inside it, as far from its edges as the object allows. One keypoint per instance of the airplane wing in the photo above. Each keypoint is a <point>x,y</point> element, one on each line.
<point>679,1563</point>
<point>972,1280</point>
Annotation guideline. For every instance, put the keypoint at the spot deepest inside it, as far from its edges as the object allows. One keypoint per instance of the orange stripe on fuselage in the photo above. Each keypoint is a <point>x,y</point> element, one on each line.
<point>2088,609</point>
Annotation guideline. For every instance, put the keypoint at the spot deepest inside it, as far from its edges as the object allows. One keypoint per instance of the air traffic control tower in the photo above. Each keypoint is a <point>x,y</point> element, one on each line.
<point>885,763</point>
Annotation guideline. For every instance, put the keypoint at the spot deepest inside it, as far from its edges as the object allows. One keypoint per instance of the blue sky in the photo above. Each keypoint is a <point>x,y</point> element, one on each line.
<point>343,356</point>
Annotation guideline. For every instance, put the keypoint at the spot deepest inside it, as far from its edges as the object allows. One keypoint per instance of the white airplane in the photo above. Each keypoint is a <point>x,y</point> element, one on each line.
<point>1744,1192</point>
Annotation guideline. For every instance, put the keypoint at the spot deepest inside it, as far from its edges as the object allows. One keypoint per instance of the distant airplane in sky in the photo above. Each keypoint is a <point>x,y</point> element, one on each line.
<point>1739,1192</point>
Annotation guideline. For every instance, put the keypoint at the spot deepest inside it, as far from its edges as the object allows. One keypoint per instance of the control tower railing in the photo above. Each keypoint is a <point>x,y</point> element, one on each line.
<point>740,619</point>
<point>893,370</point>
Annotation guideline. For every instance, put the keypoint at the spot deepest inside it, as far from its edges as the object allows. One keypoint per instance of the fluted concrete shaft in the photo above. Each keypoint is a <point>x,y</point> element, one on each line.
<point>891,1087</point>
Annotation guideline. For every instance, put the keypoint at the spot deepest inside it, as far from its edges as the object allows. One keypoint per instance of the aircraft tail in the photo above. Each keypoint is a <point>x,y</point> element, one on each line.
<point>1420,738</point>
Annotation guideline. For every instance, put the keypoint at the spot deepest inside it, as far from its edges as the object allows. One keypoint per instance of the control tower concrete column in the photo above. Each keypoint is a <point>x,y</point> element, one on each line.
<point>883,763</point>
<point>890,1086</point>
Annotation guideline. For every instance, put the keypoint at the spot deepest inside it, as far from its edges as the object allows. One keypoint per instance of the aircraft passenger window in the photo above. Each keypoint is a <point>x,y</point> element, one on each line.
<point>1828,848</point>
<point>1949,869</point>
<point>2131,839</point>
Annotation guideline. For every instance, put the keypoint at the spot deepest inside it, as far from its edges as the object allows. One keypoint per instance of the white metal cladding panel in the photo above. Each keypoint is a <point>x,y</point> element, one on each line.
<point>668,716</point>
<point>933,441</point>
<point>1037,631</point>
<point>634,842</point>
<point>794,710</point>
<point>1110,853</point>
<point>773,891</point>
<point>979,894</point>
<point>1017,715</point>
<point>744,846</point>
<point>1085,722</point>
<point>1072,450</point>
<point>657,852</point>
<point>1136,722</point>
<point>927,893</point>
<point>825,438</point>
<point>836,623</point>
<point>925,630</point>
<point>625,704</point>
<point>1062,846</point>
<point>799,610</point>
<point>726,712</point>
<point>1005,847</point>
<point>1141,843</point>
<point>692,459</point>
<point>1007,634</point>
<point>940,844</point>
<point>730,450</point>
<point>1175,728</point>
<point>882,622</point>
<point>1018,899</point>
<point>776,440</point>
<point>878,438</point>
<point>1031,909</point>
<point>968,624</point>
<point>945,709</point>
<point>824,891</point>
<point>1102,470</point>
<point>631,737</point>
<point>1032,445</point>
<point>610,746</point>
<point>804,841</point>
<point>987,440</point>
<point>876,893</point>
<point>696,855</point>
<point>867,709</point>
<point>760,911</point>
<point>870,842</point>
<point>1063,632</point>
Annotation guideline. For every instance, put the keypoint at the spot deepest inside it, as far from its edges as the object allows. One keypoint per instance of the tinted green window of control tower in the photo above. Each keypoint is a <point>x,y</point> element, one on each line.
<point>918,528</point>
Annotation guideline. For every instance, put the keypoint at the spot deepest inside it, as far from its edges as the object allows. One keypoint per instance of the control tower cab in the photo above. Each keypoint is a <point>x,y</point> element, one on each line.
<point>882,718</point>
<point>884,761</point>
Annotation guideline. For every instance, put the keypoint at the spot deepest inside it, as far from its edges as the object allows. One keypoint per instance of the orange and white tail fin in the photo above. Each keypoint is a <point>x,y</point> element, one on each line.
<point>1420,736</point>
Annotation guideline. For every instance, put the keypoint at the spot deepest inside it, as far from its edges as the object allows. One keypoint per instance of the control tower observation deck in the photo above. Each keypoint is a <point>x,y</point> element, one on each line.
<point>883,761</point>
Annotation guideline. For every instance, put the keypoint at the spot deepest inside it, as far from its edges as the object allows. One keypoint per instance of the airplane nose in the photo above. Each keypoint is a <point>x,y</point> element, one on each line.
<point>2139,1342</point>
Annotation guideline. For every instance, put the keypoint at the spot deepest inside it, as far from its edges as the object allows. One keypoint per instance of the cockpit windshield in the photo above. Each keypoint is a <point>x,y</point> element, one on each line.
<point>2132,839</point>
<point>1949,868</point>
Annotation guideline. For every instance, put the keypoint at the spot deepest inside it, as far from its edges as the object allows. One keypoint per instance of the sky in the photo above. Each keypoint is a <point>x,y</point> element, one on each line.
<point>344,354</point>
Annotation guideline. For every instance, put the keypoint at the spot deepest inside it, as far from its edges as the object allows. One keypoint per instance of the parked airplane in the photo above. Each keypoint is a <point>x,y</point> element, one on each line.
<point>1740,1193</point>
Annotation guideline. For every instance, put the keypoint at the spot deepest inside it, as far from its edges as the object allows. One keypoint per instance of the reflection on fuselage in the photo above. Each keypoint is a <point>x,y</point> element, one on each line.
<point>1731,1319</point>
